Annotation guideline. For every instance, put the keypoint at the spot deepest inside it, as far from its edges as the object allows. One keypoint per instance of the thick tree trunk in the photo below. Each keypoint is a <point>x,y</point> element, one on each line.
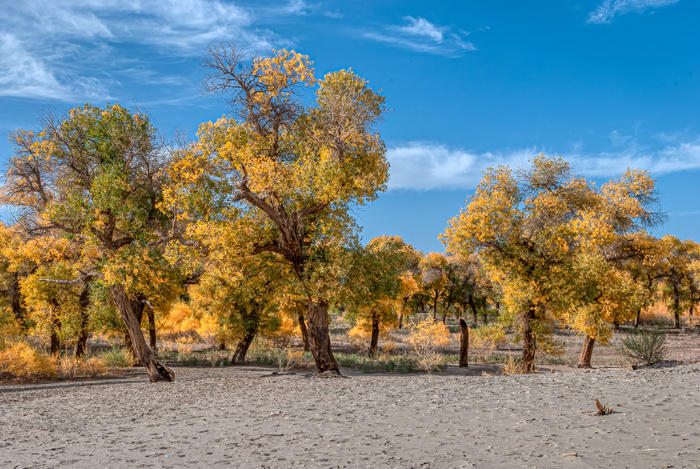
<point>529,342</point>
<point>584,360</point>
<point>375,336</point>
<point>616,325</point>
<point>320,338</point>
<point>129,312</point>
<point>638,318</point>
<point>463,344</point>
<point>242,348</point>
<point>83,302</point>
<point>676,320</point>
<point>486,316</point>
<point>153,339</point>
<point>55,343</point>
<point>16,302</point>
<point>304,332</point>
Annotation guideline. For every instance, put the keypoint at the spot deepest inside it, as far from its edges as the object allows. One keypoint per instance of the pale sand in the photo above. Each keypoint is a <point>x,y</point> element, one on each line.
<point>239,417</point>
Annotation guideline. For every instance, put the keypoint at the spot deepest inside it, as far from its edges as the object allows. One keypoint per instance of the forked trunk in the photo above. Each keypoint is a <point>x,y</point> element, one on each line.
<point>83,302</point>
<point>463,344</point>
<point>304,333</point>
<point>152,328</point>
<point>320,338</point>
<point>584,360</point>
<point>156,370</point>
<point>242,348</point>
<point>375,336</point>
<point>529,342</point>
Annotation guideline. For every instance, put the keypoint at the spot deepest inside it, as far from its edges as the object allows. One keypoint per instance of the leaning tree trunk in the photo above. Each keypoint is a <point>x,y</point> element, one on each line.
<point>242,348</point>
<point>152,339</point>
<point>83,303</point>
<point>320,338</point>
<point>463,344</point>
<point>584,360</point>
<point>156,370</point>
<point>304,332</point>
<point>529,342</point>
<point>375,336</point>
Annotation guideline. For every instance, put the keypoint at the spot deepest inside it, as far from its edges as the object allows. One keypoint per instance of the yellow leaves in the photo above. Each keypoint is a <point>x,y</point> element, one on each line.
<point>23,363</point>
<point>283,69</point>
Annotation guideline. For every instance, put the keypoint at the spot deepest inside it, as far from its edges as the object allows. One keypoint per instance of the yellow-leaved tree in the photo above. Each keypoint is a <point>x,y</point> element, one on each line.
<point>280,176</point>
<point>94,176</point>
<point>555,245</point>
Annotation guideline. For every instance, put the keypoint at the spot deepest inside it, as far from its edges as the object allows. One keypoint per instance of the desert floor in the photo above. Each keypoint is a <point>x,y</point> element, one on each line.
<point>249,417</point>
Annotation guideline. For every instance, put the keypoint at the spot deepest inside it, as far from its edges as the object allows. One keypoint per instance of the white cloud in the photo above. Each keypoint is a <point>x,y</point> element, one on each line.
<point>422,27</point>
<point>609,9</point>
<point>63,49</point>
<point>421,35</point>
<point>428,166</point>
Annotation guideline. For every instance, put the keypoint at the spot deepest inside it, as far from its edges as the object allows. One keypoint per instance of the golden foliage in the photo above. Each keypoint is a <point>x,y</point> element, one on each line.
<point>425,339</point>
<point>21,362</point>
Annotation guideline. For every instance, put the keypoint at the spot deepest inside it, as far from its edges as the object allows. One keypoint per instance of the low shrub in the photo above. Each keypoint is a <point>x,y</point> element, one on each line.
<point>426,338</point>
<point>513,366</point>
<point>382,363</point>
<point>21,362</point>
<point>119,358</point>
<point>643,347</point>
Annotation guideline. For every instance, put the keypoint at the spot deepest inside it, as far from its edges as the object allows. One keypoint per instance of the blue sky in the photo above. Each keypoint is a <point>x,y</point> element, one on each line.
<point>606,84</point>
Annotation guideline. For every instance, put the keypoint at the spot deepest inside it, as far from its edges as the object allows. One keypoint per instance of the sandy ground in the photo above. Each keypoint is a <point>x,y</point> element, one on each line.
<point>246,417</point>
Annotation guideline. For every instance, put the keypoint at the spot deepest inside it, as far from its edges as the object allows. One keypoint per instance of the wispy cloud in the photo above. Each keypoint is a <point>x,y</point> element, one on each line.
<point>50,49</point>
<point>428,166</point>
<point>421,35</point>
<point>609,9</point>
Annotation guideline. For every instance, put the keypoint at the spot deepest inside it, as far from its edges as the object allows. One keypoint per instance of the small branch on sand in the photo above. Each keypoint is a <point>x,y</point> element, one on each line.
<point>602,410</point>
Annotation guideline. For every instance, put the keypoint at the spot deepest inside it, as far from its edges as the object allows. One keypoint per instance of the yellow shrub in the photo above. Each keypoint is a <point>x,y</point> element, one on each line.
<point>208,328</point>
<point>358,335</point>
<point>23,363</point>
<point>426,338</point>
<point>68,367</point>
<point>361,333</point>
<point>488,336</point>
<point>289,329</point>
<point>181,324</point>
<point>9,329</point>
<point>92,366</point>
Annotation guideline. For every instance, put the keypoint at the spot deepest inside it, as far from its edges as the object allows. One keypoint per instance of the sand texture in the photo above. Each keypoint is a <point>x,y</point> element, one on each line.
<point>244,417</point>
